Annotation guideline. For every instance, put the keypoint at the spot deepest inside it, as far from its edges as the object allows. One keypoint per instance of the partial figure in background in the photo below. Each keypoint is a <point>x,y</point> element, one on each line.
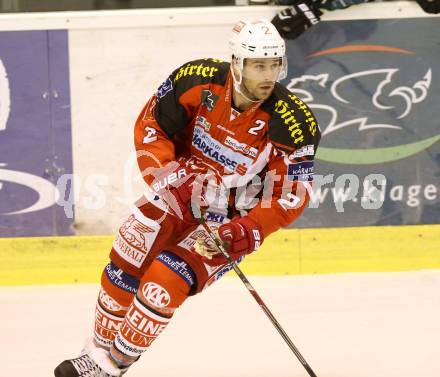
<point>301,15</point>
<point>220,140</point>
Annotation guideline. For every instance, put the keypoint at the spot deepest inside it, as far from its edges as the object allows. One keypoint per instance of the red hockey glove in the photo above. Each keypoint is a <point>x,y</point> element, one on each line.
<point>241,236</point>
<point>179,184</point>
<point>172,183</point>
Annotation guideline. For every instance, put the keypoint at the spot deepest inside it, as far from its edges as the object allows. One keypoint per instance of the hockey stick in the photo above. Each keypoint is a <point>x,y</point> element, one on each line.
<point>256,296</point>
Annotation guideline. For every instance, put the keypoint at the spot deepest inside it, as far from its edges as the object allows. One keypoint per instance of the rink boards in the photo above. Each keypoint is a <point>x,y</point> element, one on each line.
<point>88,74</point>
<point>73,83</point>
<point>65,260</point>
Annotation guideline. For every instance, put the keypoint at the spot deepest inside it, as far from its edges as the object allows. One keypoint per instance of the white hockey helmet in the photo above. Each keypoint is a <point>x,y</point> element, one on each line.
<point>258,40</point>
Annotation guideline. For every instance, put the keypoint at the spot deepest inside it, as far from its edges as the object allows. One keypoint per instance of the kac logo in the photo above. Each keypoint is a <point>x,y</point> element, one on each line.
<point>156,295</point>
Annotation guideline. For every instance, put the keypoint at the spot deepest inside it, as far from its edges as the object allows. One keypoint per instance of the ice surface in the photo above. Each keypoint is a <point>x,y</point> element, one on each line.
<point>347,325</point>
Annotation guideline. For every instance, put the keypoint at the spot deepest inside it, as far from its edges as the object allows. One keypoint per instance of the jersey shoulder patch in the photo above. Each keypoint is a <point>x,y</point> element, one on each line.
<point>292,123</point>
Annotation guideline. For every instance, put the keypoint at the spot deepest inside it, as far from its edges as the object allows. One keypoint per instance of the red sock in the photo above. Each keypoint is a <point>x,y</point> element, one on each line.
<point>161,291</point>
<point>117,291</point>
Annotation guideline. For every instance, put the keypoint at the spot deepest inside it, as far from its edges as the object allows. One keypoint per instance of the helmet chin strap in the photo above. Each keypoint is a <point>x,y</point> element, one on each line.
<point>237,87</point>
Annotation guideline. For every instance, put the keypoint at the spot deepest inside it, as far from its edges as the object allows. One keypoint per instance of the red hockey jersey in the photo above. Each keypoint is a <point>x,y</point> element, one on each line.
<point>268,149</point>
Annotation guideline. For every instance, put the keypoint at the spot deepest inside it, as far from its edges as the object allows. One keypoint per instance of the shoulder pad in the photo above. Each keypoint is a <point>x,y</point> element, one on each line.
<point>292,123</point>
<point>169,111</point>
<point>200,72</point>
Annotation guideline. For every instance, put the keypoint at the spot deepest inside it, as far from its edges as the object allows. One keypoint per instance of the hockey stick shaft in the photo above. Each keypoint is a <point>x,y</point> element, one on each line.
<point>257,298</point>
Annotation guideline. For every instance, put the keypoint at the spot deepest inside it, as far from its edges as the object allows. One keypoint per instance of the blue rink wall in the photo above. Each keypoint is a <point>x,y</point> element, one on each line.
<point>35,132</point>
<point>374,87</point>
<point>72,85</point>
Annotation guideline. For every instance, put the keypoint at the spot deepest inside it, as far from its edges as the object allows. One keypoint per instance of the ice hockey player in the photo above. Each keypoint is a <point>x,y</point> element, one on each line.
<point>235,126</point>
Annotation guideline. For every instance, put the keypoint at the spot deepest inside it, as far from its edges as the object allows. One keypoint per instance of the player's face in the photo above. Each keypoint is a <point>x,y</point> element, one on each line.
<point>260,76</point>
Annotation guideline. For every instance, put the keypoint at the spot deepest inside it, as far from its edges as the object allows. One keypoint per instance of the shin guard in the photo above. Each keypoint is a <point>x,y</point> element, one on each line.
<point>162,290</point>
<point>140,328</point>
<point>107,324</point>
<point>117,291</point>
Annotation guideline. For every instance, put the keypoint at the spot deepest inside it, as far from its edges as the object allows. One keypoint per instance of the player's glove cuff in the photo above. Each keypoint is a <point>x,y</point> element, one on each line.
<point>239,237</point>
<point>242,236</point>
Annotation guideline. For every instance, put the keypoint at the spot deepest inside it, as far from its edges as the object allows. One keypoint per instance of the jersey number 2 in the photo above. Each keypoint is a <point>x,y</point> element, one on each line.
<point>259,126</point>
<point>151,132</point>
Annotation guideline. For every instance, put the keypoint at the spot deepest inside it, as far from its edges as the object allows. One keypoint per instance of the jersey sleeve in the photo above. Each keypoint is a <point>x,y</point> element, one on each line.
<point>295,135</point>
<point>154,147</point>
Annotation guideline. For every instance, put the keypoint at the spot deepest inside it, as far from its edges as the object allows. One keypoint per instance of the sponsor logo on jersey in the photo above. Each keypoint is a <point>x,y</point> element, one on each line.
<point>241,147</point>
<point>178,265</point>
<point>216,151</point>
<point>121,279</point>
<point>202,121</point>
<point>289,119</point>
<point>209,99</point>
<point>197,70</point>
<point>156,295</point>
<point>223,128</point>
<point>166,87</point>
<point>306,150</point>
<point>289,115</point>
<point>309,117</point>
<point>300,171</point>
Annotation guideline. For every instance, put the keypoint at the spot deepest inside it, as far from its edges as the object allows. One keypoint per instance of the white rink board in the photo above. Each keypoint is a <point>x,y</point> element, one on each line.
<point>117,61</point>
<point>350,325</point>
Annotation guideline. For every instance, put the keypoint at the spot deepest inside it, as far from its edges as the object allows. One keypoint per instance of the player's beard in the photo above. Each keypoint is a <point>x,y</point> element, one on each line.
<point>260,92</point>
<point>265,90</point>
